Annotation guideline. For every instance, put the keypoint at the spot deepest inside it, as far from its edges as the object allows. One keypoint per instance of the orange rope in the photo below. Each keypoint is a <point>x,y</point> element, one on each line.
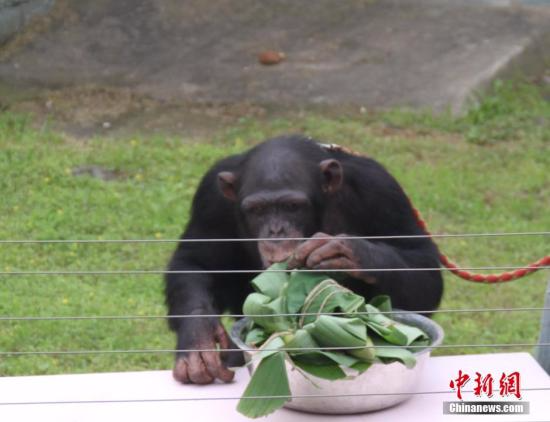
<point>484,278</point>
<point>466,275</point>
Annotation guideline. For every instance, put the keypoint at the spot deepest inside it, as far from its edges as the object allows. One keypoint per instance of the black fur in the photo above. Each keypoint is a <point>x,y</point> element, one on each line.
<point>370,203</point>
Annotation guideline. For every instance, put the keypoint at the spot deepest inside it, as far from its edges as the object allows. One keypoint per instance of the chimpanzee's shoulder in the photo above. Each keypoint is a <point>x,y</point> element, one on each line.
<point>229,163</point>
<point>358,163</point>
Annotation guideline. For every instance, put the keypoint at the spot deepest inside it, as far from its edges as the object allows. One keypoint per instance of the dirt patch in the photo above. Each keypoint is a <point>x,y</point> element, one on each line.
<point>86,106</point>
<point>91,110</point>
<point>98,172</point>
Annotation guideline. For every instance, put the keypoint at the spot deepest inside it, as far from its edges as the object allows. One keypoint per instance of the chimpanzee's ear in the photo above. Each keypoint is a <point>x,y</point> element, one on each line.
<point>226,183</point>
<point>333,175</point>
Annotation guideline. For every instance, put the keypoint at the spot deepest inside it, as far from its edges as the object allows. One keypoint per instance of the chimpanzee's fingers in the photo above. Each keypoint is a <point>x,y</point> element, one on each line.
<point>232,359</point>
<point>197,370</point>
<point>222,337</point>
<point>333,249</point>
<point>340,263</point>
<point>215,366</point>
<point>180,371</point>
<point>343,263</point>
<point>300,255</point>
<point>229,359</point>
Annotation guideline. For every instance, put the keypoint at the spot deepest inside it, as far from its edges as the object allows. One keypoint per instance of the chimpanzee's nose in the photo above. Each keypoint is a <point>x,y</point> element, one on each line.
<point>276,229</point>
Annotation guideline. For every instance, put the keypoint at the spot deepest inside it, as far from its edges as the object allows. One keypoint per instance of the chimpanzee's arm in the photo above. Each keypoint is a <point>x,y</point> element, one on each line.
<point>188,293</point>
<point>411,290</point>
<point>390,213</point>
<point>195,292</point>
<point>372,203</point>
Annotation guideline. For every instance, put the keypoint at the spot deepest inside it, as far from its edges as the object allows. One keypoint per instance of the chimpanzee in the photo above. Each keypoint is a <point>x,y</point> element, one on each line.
<point>291,187</point>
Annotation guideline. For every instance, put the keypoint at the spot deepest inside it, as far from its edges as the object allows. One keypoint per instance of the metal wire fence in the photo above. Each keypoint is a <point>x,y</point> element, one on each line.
<point>108,272</point>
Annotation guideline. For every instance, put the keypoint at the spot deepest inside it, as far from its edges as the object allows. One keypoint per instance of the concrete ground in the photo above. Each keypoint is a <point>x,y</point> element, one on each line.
<point>371,53</point>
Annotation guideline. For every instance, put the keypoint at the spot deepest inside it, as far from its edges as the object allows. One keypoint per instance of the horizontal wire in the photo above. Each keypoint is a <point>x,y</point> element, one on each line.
<point>117,272</point>
<point>282,349</point>
<point>308,396</point>
<point>130,317</point>
<point>340,270</point>
<point>414,236</point>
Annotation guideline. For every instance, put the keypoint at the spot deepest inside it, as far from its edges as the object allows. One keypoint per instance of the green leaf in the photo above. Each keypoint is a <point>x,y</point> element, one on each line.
<point>271,345</point>
<point>301,339</point>
<point>269,379</point>
<point>421,342</point>
<point>392,354</point>
<point>412,334</point>
<point>332,331</point>
<point>299,286</point>
<point>362,366</point>
<point>312,358</point>
<point>328,296</point>
<point>255,336</point>
<point>328,372</point>
<point>271,283</point>
<point>390,330</point>
<point>267,312</point>
<point>347,334</point>
<point>340,358</point>
<point>367,354</point>
<point>388,333</point>
<point>382,302</point>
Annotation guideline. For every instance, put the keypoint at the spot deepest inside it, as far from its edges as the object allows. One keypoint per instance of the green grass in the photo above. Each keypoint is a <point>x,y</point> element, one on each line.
<point>484,172</point>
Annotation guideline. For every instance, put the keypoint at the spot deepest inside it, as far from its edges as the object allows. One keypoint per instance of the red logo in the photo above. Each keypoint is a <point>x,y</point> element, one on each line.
<point>459,382</point>
<point>483,385</point>
<point>508,384</point>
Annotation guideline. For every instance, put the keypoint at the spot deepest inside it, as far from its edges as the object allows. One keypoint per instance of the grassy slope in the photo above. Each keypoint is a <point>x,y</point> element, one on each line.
<point>485,172</point>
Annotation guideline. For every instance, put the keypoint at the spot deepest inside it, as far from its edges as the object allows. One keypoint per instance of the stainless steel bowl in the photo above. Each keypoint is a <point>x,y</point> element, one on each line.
<point>394,378</point>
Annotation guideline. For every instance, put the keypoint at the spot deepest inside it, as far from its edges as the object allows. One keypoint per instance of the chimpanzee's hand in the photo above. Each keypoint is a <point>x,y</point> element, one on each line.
<point>324,251</point>
<point>202,367</point>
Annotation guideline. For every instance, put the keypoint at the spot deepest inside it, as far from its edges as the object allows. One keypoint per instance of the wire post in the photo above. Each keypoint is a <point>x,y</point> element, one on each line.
<point>543,353</point>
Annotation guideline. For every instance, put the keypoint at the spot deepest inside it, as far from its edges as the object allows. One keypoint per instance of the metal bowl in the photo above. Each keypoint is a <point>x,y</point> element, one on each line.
<point>393,379</point>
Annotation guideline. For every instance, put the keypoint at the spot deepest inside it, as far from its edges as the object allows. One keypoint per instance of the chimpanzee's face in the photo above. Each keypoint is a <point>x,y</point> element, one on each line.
<point>274,217</point>
<point>279,196</point>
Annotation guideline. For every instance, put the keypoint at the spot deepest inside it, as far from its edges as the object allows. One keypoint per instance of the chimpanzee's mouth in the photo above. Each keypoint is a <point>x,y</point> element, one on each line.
<point>272,252</point>
<point>266,263</point>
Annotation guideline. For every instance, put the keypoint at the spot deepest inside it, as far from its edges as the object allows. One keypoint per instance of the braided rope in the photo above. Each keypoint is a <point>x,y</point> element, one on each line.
<point>447,263</point>
<point>483,278</point>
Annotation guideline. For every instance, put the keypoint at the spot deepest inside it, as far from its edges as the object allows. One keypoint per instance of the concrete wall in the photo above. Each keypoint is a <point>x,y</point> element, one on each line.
<point>15,14</point>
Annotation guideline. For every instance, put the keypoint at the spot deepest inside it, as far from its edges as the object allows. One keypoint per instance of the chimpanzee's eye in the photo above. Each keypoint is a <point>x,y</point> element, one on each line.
<point>257,209</point>
<point>292,206</point>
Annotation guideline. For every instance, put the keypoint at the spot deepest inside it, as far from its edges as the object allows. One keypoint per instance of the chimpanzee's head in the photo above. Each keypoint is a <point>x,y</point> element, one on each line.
<point>280,191</point>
